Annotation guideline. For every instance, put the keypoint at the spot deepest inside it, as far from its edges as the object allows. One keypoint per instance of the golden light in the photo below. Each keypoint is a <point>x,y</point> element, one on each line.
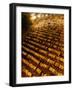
<point>39,15</point>
<point>33,17</point>
<point>46,15</point>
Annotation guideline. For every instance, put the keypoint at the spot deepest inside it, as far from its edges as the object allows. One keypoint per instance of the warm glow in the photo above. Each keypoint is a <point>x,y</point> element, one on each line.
<point>46,15</point>
<point>33,16</point>
<point>39,15</point>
